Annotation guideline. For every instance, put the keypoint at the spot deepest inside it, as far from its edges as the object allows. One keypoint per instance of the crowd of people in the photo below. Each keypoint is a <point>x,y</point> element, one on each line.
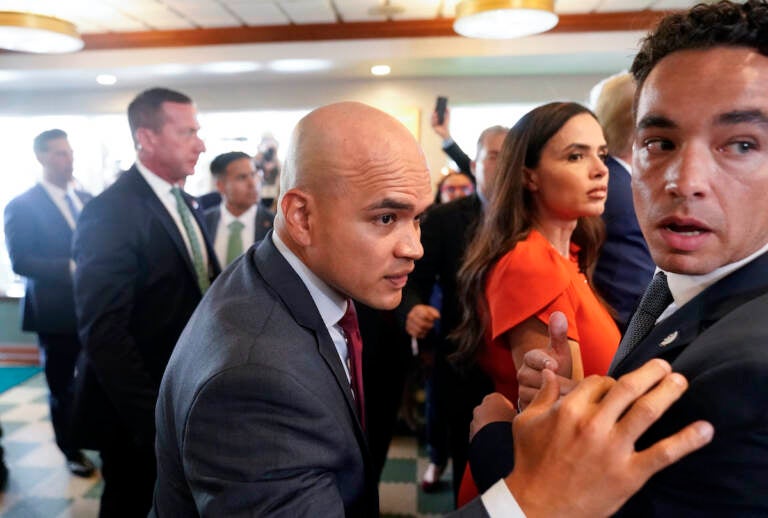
<point>590,286</point>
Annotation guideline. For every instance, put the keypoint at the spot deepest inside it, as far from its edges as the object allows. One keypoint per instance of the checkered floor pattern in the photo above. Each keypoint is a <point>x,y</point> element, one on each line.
<point>40,485</point>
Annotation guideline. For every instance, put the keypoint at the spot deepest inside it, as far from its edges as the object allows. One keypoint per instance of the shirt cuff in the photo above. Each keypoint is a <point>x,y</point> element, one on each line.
<point>500,503</point>
<point>448,142</point>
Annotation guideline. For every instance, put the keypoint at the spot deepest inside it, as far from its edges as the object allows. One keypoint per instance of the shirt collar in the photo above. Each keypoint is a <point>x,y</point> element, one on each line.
<point>160,186</point>
<point>330,303</point>
<point>56,190</point>
<point>227,217</point>
<point>686,287</point>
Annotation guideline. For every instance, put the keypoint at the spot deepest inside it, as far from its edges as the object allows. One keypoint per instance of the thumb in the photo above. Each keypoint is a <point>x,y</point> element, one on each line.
<point>558,336</point>
<point>549,392</point>
<point>434,313</point>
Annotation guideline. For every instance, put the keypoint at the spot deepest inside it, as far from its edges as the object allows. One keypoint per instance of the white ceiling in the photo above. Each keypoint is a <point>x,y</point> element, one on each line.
<point>556,53</point>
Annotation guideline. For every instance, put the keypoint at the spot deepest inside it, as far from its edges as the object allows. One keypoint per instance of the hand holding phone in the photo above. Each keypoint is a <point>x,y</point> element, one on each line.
<point>440,105</point>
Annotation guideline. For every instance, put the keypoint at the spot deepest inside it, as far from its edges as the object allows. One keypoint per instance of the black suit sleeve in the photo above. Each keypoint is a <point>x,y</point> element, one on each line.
<point>460,157</point>
<point>21,238</point>
<point>107,253</point>
<point>423,278</point>
<point>491,454</point>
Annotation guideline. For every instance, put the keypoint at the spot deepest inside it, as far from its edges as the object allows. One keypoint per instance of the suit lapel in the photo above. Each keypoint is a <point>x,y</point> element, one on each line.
<point>51,215</point>
<point>289,287</point>
<point>667,339</point>
<point>156,207</point>
<point>213,263</point>
<point>262,225</point>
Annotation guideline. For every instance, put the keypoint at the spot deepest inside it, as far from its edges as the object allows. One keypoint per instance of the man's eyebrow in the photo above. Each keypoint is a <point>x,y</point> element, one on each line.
<point>743,116</point>
<point>389,203</point>
<point>655,121</point>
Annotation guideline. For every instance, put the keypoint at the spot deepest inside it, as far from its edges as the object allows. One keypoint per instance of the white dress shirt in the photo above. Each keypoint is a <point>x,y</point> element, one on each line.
<point>686,287</point>
<point>247,218</point>
<point>57,195</point>
<point>331,304</point>
<point>162,190</point>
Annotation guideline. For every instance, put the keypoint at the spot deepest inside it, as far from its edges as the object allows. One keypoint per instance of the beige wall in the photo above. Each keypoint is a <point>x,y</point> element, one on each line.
<point>308,93</point>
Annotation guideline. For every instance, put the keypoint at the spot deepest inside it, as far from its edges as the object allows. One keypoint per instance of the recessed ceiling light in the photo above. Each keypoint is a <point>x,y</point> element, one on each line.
<point>299,65</point>
<point>380,70</point>
<point>230,67</point>
<point>171,69</point>
<point>106,79</point>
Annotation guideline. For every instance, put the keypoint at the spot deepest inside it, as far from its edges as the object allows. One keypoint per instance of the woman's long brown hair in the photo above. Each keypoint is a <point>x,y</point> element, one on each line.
<point>509,218</point>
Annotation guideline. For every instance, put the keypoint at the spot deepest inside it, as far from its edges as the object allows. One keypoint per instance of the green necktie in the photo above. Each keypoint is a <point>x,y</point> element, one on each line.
<point>194,244</point>
<point>235,241</point>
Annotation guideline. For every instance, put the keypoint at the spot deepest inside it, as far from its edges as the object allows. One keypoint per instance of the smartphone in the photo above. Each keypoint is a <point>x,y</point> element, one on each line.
<point>442,103</point>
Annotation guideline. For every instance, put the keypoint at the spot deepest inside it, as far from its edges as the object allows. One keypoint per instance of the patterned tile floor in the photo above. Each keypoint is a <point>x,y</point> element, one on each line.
<point>41,487</point>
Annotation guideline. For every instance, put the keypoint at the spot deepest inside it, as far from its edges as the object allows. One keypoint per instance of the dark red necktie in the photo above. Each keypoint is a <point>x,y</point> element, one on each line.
<point>351,330</point>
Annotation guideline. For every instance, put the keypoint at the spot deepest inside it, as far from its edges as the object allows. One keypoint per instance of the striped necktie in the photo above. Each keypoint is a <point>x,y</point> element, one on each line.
<point>197,254</point>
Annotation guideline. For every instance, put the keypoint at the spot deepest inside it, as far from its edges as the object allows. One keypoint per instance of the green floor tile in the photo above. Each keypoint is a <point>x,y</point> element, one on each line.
<point>399,470</point>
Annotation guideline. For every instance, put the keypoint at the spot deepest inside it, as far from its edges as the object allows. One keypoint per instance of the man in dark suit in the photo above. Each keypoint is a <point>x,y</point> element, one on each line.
<point>38,230</point>
<point>143,262</point>
<point>625,266</point>
<point>446,232</point>
<point>239,221</point>
<point>699,177</point>
<point>261,408</point>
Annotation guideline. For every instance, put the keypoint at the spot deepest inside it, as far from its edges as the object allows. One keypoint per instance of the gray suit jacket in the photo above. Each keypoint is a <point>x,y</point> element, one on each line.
<point>255,415</point>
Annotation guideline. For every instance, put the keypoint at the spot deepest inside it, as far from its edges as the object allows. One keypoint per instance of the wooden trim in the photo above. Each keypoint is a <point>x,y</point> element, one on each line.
<point>19,354</point>
<point>598,22</point>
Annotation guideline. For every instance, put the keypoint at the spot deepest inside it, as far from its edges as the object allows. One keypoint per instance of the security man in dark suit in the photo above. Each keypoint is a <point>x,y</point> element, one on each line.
<point>239,221</point>
<point>38,230</point>
<point>144,260</point>
<point>446,231</point>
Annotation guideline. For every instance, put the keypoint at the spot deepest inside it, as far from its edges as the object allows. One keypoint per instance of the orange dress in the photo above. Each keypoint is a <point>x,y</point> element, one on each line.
<point>534,280</point>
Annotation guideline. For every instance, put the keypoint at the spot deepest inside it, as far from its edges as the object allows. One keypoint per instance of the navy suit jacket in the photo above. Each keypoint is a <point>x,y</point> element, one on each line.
<point>719,342</point>
<point>255,415</point>
<point>39,242</point>
<point>625,266</point>
<point>263,222</point>
<point>135,289</point>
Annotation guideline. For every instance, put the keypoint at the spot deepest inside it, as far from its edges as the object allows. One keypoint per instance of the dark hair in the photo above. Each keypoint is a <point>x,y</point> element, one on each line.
<point>442,181</point>
<point>40,144</point>
<point>509,219</point>
<point>702,27</point>
<point>220,163</point>
<point>145,111</point>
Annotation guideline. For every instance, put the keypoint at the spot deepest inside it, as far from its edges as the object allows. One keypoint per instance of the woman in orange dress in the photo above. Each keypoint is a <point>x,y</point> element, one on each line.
<point>535,252</point>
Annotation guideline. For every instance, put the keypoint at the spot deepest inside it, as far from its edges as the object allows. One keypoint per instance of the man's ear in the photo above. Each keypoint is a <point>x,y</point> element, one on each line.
<point>221,184</point>
<point>296,206</point>
<point>145,139</point>
<point>531,179</point>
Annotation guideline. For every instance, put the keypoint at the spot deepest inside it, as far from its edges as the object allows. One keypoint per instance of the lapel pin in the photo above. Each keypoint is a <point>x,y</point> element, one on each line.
<point>669,339</point>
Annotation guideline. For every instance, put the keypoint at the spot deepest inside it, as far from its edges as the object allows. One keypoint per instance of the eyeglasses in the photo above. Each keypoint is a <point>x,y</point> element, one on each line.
<point>453,189</point>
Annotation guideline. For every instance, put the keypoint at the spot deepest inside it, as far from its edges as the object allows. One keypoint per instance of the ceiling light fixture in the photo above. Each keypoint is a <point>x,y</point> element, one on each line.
<point>380,70</point>
<point>31,32</point>
<point>500,19</point>
<point>106,79</point>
